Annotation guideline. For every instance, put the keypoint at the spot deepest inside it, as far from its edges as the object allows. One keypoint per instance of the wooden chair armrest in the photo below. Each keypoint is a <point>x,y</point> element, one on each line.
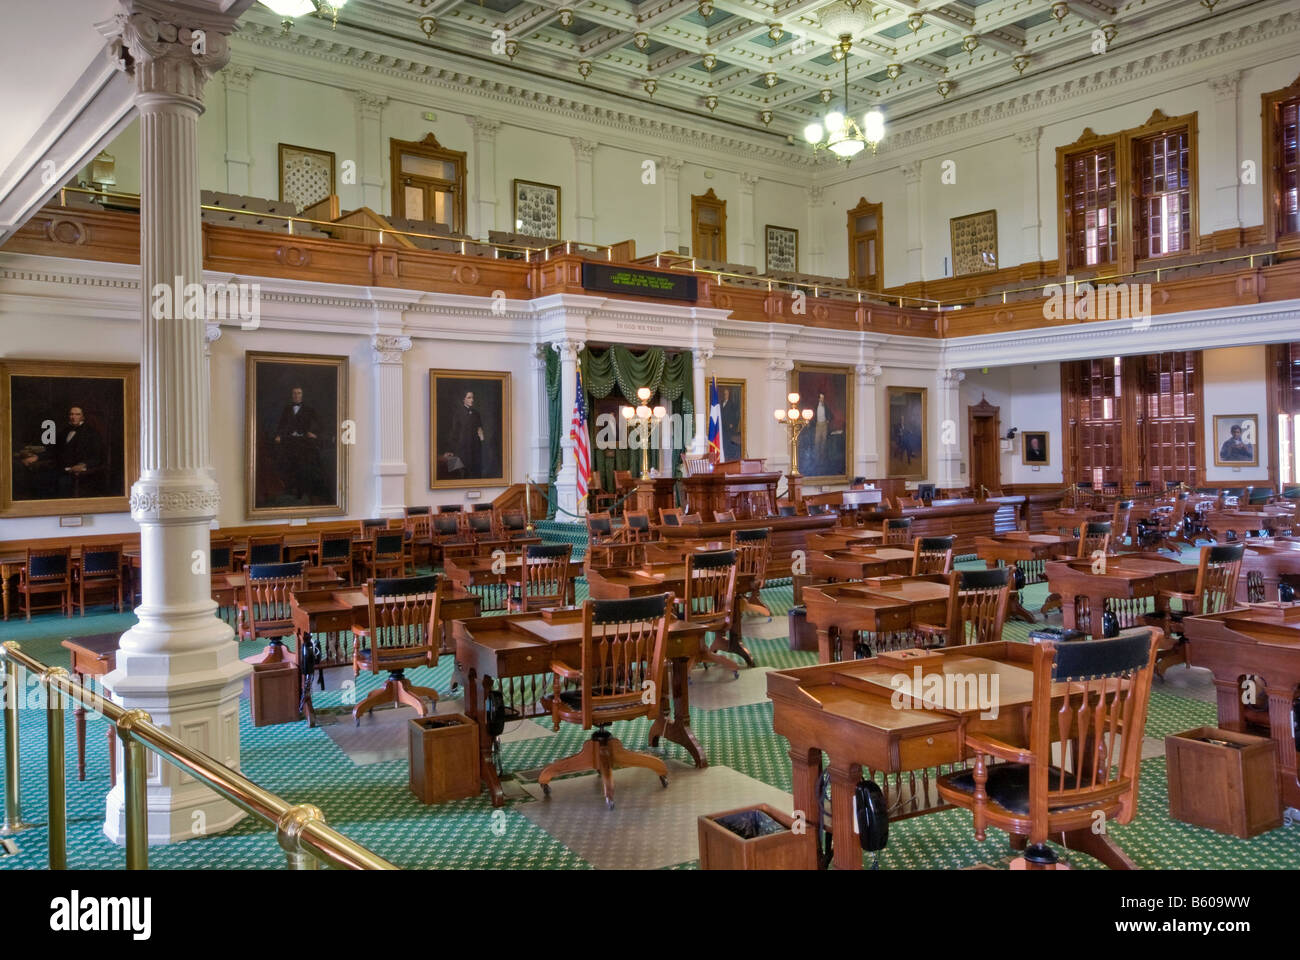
<point>1190,601</point>
<point>929,628</point>
<point>999,748</point>
<point>564,671</point>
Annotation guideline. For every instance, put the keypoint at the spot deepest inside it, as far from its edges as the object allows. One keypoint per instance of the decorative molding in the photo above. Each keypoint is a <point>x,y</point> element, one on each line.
<point>583,149</point>
<point>160,55</point>
<point>1225,87</point>
<point>868,373</point>
<point>151,500</point>
<point>568,349</point>
<point>370,105</point>
<point>211,334</point>
<point>1028,139</point>
<point>485,128</point>
<point>389,349</point>
<point>911,172</point>
<point>237,77</point>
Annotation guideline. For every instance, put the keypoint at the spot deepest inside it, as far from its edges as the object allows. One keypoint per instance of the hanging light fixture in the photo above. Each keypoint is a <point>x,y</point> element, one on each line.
<point>839,132</point>
<point>290,10</point>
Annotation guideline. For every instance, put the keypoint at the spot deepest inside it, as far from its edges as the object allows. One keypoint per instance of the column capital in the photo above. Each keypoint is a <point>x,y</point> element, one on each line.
<point>672,165</point>
<point>911,172</point>
<point>370,105</point>
<point>1028,139</point>
<point>868,372</point>
<point>748,181</point>
<point>165,57</point>
<point>1225,86</point>
<point>583,149</point>
<point>951,378</point>
<point>484,128</point>
<point>816,194</point>
<point>777,369</point>
<point>568,349</point>
<point>702,356</point>
<point>237,77</point>
<point>160,500</point>
<point>388,348</point>
<point>211,334</point>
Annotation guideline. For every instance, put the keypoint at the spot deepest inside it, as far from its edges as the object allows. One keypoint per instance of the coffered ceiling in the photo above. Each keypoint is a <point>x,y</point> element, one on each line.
<point>771,66</point>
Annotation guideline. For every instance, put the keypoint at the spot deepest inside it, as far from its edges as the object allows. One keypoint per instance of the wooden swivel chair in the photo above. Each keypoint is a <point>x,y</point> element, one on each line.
<point>482,527</point>
<point>334,550</point>
<point>419,537</point>
<point>897,530</point>
<point>709,597</point>
<point>403,632</point>
<point>447,537</point>
<point>512,525</point>
<point>47,573</point>
<point>598,498</point>
<point>977,609</point>
<point>670,516</point>
<point>266,611</point>
<point>932,555</point>
<point>1096,536</point>
<point>787,510</point>
<point>368,527</point>
<point>1216,591</point>
<point>99,569</point>
<point>692,518</point>
<point>265,550</point>
<point>387,554</point>
<point>622,649</point>
<point>543,577</point>
<point>221,555</point>
<point>753,549</point>
<point>637,525</point>
<point>1089,707</point>
<point>1119,523</point>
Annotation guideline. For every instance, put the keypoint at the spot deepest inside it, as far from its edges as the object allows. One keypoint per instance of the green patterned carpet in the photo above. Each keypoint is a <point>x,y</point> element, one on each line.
<point>371,803</point>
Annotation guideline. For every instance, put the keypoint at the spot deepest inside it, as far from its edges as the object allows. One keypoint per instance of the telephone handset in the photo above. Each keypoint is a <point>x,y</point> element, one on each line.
<point>870,819</point>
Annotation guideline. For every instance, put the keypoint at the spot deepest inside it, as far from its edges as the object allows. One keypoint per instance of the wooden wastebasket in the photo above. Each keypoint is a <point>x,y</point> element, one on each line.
<point>444,757</point>
<point>722,848</point>
<point>802,634</point>
<point>1230,786</point>
<point>275,693</point>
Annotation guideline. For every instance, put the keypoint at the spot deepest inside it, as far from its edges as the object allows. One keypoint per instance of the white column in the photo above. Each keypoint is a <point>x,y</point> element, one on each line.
<point>747,184</point>
<point>537,467</point>
<point>866,457</point>
<point>211,334</point>
<point>238,156</point>
<point>371,150</point>
<point>915,221</point>
<point>566,481</point>
<point>947,469</point>
<point>1227,162</point>
<point>812,260</point>
<point>179,662</point>
<point>778,438</point>
<point>584,151</point>
<point>1032,220</point>
<point>390,425</point>
<point>485,174</point>
<point>669,169</point>
<point>700,361</point>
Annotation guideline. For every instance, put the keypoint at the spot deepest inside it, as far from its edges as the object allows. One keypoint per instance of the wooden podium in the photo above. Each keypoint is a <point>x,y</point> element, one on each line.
<point>655,494</point>
<point>742,486</point>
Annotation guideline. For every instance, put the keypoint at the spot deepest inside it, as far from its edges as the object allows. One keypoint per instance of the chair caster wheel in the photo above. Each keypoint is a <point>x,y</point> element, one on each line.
<point>664,781</point>
<point>609,804</point>
<point>546,790</point>
<point>735,674</point>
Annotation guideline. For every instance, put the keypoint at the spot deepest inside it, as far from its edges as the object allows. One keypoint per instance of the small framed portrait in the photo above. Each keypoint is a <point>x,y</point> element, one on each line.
<point>974,243</point>
<point>306,175</point>
<point>71,433</point>
<point>731,400</point>
<point>826,444</point>
<point>537,209</point>
<point>1236,440</point>
<point>782,248</point>
<point>907,436</point>
<point>469,417</point>
<point>1034,448</point>
<point>296,425</point>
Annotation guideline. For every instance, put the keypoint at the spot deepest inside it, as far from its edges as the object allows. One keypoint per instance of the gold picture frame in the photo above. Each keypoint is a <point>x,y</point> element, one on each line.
<point>725,384</point>
<point>296,459</point>
<point>456,459</point>
<point>974,239</point>
<point>286,155</point>
<point>38,417</point>
<point>785,240</point>
<point>906,432</point>
<point>819,453</point>
<point>1224,424</point>
<point>540,201</point>
<point>1045,445</point>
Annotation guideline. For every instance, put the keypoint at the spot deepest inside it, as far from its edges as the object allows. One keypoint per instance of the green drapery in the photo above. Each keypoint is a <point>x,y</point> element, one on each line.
<point>553,414</point>
<point>667,374</point>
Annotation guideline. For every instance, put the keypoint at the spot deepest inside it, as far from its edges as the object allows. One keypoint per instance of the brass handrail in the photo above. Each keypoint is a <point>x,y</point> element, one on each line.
<point>300,829</point>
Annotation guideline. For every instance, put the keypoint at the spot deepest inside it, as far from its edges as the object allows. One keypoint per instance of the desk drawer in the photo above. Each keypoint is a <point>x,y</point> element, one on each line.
<point>928,749</point>
<point>523,662</point>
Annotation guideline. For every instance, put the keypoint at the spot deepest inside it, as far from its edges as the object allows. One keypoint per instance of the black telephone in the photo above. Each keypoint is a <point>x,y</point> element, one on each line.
<point>871,819</point>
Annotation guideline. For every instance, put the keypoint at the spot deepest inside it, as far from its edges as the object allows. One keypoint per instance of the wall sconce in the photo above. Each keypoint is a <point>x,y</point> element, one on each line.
<point>1109,30</point>
<point>706,8</point>
<point>512,47</point>
<point>1060,9</point>
<point>766,117</point>
<point>825,95</point>
<point>710,61</point>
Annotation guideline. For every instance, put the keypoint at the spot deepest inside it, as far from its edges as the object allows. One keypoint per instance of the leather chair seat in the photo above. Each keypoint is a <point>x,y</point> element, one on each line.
<point>573,700</point>
<point>1008,785</point>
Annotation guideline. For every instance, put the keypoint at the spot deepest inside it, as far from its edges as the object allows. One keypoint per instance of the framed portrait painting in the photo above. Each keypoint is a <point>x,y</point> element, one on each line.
<point>1236,440</point>
<point>71,433</point>
<point>731,400</point>
<point>1035,450</point>
<point>295,415</point>
<point>469,428</point>
<point>974,243</point>
<point>826,444</point>
<point>782,245</point>
<point>905,417</point>
<point>537,209</point>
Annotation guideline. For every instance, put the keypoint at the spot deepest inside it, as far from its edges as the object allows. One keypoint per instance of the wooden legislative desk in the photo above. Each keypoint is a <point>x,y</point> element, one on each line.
<point>1026,552</point>
<point>859,563</point>
<point>1248,523</point>
<point>965,520</point>
<point>481,572</point>
<point>1264,565</point>
<point>1128,582</point>
<point>616,583</point>
<point>1067,520</point>
<point>513,653</point>
<point>749,494</point>
<point>846,710</point>
<point>788,535</point>
<point>844,537</point>
<point>653,495</point>
<point>849,504</point>
<point>839,610</point>
<point>1255,641</point>
<point>333,611</point>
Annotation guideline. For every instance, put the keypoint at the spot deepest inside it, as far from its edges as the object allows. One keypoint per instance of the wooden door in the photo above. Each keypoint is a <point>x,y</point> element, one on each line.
<point>985,447</point>
<point>866,246</point>
<point>709,227</point>
<point>428,182</point>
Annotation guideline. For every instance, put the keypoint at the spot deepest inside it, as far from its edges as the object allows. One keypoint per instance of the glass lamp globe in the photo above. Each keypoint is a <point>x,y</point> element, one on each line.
<point>643,393</point>
<point>660,413</point>
<point>643,412</point>
<point>780,415</point>
<point>807,414</point>
<point>793,398</point>
<point>873,126</point>
<point>847,148</point>
<point>813,133</point>
<point>834,122</point>
<point>291,8</point>
<point>792,413</point>
<point>628,413</point>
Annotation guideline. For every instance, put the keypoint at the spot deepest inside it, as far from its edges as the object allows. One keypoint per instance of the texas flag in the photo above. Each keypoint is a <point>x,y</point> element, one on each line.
<point>715,423</point>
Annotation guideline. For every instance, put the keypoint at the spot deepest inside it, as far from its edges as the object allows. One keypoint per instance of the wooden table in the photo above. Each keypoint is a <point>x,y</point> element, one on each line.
<point>1258,641</point>
<point>1026,552</point>
<point>93,656</point>
<point>486,571</point>
<point>515,652</point>
<point>1068,521</point>
<point>848,608</point>
<point>1265,564</point>
<point>847,710</point>
<point>652,578</point>
<point>334,611</point>
<point>844,537</point>
<point>1127,581</point>
<point>788,535</point>
<point>860,563</point>
<point>1245,523</point>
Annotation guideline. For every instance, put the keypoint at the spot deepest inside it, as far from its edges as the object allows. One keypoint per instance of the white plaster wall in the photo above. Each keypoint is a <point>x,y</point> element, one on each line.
<point>1235,383</point>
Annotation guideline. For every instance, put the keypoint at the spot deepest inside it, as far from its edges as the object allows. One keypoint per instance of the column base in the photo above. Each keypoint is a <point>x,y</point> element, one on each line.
<point>193,693</point>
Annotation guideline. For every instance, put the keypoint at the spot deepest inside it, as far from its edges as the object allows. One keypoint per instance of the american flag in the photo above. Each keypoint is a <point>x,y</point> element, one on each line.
<point>581,448</point>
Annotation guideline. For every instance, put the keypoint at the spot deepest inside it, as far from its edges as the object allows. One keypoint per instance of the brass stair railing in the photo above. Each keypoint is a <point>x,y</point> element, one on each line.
<point>301,830</point>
